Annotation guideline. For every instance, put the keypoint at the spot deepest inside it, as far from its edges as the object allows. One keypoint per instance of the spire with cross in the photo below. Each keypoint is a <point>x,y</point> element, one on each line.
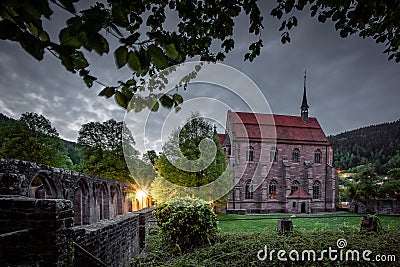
<point>304,106</point>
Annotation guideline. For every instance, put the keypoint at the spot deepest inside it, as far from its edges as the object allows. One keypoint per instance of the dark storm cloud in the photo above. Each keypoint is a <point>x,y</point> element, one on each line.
<point>349,82</point>
<point>46,88</point>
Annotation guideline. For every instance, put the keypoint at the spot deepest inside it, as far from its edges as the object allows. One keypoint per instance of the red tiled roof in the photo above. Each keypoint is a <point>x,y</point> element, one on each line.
<point>299,193</point>
<point>222,138</point>
<point>286,129</point>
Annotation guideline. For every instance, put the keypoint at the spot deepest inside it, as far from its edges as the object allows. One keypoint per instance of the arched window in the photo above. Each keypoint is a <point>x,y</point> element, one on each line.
<point>316,190</point>
<point>294,187</point>
<point>250,154</point>
<point>273,155</point>
<point>272,190</point>
<point>42,187</point>
<point>248,190</point>
<point>317,156</point>
<point>295,155</point>
<point>104,202</point>
<point>81,203</point>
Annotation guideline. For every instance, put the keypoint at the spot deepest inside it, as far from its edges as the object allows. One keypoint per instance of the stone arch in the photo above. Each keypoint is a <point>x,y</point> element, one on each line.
<point>42,187</point>
<point>316,190</point>
<point>81,203</point>
<point>248,190</point>
<point>104,202</point>
<point>294,186</point>
<point>272,189</point>
<point>116,199</point>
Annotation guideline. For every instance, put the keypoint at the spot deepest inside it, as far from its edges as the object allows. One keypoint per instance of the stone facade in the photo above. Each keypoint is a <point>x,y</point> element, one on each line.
<point>265,185</point>
<point>33,232</point>
<point>40,232</point>
<point>94,198</point>
<point>388,206</point>
<point>53,217</point>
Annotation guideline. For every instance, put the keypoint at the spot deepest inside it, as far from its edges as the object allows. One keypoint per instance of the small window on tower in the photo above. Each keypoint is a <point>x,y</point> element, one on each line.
<point>294,187</point>
<point>250,154</point>
<point>295,155</point>
<point>273,155</point>
<point>317,156</point>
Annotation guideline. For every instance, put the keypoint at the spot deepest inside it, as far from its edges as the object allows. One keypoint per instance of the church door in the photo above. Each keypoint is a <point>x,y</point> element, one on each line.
<point>303,207</point>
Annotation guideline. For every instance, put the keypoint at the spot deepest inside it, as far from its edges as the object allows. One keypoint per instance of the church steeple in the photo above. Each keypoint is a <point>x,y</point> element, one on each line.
<point>304,106</point>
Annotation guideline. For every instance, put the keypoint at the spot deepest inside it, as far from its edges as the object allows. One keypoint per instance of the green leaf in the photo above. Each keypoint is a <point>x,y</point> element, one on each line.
<point>88,79</point>
<point>107,92</point>
<point>119,16</point>
<point>133,61</point>
<point>8,30</point>
<point>120,99</point>
<point>67,39</point>
<point>79,60</point>
<point>131,82</point>
<point>178,98</point>
<point>155,107</point>
<point>157,56</point>
<point>33,29</point>
<point>98,42</point>
<point>127,93</point>
<point>33,46</point>
<point>74,24</point>
<point>66,60</point>
<point>170,51</point>
<point>166,101</point>
<point>121,56</point>
<point>44,36</point>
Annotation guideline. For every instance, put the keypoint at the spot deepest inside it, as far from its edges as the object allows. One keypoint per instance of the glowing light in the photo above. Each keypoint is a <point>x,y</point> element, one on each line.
<point>140,194</point>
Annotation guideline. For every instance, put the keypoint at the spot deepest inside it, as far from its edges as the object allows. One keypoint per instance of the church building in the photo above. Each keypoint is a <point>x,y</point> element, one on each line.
<point>282,164</point>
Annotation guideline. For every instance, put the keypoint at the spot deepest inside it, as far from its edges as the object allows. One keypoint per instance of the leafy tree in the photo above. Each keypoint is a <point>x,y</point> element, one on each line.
<point>203,29</point>
<point>102,150</point>
<point>73,152</point>
<point>394,173</point>
<point>38,124</point>
<point>390,189</point>
<point>187,141</point>
<point>20,142</point>
<point>366,187</point>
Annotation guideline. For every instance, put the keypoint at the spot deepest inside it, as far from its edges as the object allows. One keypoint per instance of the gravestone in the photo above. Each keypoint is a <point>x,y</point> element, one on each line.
<point>285,225</point>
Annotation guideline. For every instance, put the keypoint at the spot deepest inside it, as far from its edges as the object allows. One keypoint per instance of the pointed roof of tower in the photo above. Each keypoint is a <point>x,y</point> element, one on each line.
<point>304,102</point>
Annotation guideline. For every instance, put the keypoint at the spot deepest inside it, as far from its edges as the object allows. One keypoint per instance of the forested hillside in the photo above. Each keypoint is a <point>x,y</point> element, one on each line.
<point>33,138</point>
<point>377,144</point>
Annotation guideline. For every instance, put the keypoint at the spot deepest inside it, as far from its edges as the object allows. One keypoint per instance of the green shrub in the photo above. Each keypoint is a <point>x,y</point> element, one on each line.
<point>186,223</point>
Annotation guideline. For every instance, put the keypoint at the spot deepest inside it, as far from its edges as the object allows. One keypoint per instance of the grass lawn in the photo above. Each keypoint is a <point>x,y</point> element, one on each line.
<point>231,223</point>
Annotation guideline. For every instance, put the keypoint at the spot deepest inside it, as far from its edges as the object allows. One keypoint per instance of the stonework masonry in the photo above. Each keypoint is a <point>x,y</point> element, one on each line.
<point>94,198</point>
<point>387,206</point>
<point>54,217</point>
<point>282,164</point>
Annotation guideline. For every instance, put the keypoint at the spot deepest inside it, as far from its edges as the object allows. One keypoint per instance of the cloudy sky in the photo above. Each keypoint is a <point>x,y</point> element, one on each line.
<point>350,83</point>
